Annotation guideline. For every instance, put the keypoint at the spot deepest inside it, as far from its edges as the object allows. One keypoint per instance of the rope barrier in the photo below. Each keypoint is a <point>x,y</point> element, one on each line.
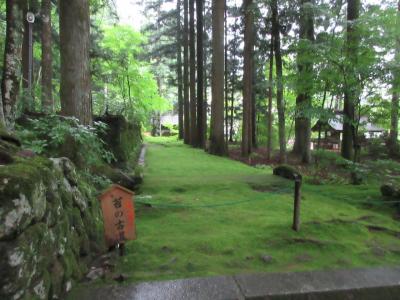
<point>279,192</point>
<point>166,205</point>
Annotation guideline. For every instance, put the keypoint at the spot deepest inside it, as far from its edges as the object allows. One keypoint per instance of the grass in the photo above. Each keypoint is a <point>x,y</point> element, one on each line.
<point>214,216</point>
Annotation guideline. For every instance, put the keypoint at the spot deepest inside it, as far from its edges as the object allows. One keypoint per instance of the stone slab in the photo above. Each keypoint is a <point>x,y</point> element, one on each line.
<point>377,283</point>
<point>355,284</point>
<point>218,288</point>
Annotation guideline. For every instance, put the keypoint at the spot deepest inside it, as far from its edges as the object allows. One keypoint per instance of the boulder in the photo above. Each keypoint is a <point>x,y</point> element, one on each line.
<point>287,172</point>
<point>389,190</point>
<point>5,158</point>
<point>118,176</point>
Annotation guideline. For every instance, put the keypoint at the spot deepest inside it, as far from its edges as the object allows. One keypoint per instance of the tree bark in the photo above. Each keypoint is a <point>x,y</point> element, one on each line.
<point>247,79</point>
<point>12,60</point>
<point>226,71</point>
<point>302,145</point>
<point>270,95</point>
<point>352,92</point>
<point>186,102</point>
<point>2,119</point>
<point>254,144</point>
<point>47,59</point>
<point>217,141</point>
<point>179,68</point>
<point>200,72</point>
<point>279,90</point>
<point>75,61</point>
<point>394,127</point>
<point>193,105</point>
<point>205,84</point>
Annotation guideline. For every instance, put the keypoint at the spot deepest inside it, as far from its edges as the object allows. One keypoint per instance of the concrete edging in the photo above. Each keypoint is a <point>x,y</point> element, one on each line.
<point>363,284</point>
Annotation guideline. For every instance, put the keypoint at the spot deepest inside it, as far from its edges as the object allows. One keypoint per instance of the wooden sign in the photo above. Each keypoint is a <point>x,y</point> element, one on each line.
<point>119,215</point>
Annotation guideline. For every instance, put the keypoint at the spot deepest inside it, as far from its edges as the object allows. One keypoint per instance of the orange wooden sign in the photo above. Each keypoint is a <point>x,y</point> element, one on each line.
<point>119,215</point>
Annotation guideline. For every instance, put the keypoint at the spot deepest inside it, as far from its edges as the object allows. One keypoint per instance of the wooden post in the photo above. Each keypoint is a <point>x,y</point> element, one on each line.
<point>121,249</point>
<point>297,202</point>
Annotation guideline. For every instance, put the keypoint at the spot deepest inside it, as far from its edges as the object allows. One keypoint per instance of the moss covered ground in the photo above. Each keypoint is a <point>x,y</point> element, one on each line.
<point>214,216</point>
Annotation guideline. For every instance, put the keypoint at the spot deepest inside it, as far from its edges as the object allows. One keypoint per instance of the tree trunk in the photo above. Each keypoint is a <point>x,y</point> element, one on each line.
<point>217,141</point>
<point>193,105</point>
<point>322,107</point>
<point>394,127</point>
<point>270,95</point>
<point>279,90</point>
<point>226,71</point>
<point>25,59</point>
<point>247,79</point>
<point>47,59</point>
<point>75,61</point>
<point>302,145</point>
<point>12,60</point>
<point>352,92</point>
<point>205,86</point>
<point>179,68</point>
<point>2,120</point>
<point>186,102</point>
<point>200,72</point>
<point>233,83</point>
<point>253,98</point>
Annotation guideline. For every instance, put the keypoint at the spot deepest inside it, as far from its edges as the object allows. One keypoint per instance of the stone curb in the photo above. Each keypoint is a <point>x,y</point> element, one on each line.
<point>142,156</point>
<point>363,284</point>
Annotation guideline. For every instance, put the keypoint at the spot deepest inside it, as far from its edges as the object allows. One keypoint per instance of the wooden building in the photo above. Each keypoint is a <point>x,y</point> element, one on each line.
<point>329,133</point>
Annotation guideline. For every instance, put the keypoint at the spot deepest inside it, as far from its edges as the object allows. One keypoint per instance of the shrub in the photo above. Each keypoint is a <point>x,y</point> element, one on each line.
<point>377,148</point>
<point>328,158</point>
<point>62,136</point>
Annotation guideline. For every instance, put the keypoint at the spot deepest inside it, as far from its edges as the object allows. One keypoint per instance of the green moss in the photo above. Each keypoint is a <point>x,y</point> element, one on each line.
<point>71,267</point>
<point>27,171</point>
<point>208,219</point>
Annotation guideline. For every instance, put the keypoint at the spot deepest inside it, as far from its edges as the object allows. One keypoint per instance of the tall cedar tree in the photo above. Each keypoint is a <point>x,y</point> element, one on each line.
<point>217,141</point>
<point>302,144</point>
<point>179,67</point>
<point>186,103</point>
<point>11,67</point>
<point>247,79</point>
<point>226,71</point>
<point>47,58</point>
<point>351,93</point>
<point>270,97</point>
<point>279,81</point>
<point>192,47</point>
<point>394,133</point>
<point>200,73</point>
<point>75,62</point>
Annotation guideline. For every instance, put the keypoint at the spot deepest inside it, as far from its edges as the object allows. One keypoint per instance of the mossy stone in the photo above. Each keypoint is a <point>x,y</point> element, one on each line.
<point>287,172</point>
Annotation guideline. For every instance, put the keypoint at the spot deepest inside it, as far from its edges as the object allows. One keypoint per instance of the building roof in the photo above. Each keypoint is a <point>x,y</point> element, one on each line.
<point>336,124</point>
<point>170,119</point>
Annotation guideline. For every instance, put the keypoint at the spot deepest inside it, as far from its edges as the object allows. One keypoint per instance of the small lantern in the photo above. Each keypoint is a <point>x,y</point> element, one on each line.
<point>30,17</point>
<point>119,215</point>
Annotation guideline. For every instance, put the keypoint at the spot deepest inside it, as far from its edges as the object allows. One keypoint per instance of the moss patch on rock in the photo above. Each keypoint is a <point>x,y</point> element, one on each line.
<point>50,219</point>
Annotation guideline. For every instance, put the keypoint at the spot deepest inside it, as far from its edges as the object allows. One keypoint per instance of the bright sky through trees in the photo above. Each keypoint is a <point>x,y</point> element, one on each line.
<point>130,11</point>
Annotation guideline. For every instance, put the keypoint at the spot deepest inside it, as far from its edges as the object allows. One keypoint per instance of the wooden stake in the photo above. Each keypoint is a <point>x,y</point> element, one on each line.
<point>121,249</point>
<point>297,202</point>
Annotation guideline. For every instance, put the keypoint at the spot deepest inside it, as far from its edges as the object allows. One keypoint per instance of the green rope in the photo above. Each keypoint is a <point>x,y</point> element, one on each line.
<point>162,205</point>
<point>283,191</point>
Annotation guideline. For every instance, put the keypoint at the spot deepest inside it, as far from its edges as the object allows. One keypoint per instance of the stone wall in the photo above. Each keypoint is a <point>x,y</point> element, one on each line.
<point>50,225</point>
<point>122,138</point>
